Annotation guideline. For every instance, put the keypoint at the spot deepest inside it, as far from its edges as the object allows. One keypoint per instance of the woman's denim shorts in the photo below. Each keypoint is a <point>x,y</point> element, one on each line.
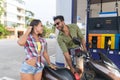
<point>26,68</point>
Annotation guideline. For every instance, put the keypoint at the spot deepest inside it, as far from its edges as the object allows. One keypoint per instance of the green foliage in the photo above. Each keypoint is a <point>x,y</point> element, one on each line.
<point>29,17</point>
<point>3,32</point>
<point>1,7</point>
<point>48,28</point>
<point>47,31</point>
<point>21,1</point>
<point>53,28</point>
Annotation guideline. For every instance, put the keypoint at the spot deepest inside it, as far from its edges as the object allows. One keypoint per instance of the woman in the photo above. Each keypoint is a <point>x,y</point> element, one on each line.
<point>35,47</point>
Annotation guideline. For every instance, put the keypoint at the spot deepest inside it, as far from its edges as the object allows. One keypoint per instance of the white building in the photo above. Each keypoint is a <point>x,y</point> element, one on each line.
<point>14,17</point>
<point>64,7</point>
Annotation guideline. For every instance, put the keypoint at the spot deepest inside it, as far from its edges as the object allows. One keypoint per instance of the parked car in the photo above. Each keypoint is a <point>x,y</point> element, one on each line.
<point>52,35</point>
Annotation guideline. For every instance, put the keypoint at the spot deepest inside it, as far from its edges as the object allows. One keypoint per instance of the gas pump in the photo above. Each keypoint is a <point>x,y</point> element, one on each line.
<point>109,30</point>
<point>117,43</point>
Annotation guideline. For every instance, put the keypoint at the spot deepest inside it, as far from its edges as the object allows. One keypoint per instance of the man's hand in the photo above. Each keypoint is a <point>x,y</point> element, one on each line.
<point>76,74</point>
<point>72,70</point>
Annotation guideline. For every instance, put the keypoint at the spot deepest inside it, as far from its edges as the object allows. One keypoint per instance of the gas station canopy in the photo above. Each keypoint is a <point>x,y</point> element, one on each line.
<point>103,1</point>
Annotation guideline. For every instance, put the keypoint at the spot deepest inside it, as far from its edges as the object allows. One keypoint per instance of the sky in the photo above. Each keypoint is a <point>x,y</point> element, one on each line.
<point>43,9</point>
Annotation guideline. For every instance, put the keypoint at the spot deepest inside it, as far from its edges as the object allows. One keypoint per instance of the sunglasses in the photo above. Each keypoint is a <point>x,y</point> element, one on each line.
<point>57,24</point>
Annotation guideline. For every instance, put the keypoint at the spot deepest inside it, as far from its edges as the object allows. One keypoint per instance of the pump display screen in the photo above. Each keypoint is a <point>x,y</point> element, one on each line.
<point>104,23</point>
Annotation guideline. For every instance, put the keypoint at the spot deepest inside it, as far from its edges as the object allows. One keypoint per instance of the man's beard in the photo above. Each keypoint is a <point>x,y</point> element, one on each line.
<point>62,27</point>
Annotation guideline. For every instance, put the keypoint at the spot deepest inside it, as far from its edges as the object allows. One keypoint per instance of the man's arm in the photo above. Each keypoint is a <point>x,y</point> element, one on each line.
<point>66,53</point>
<point>83,44</point>
<point>80,35</point>
<point>69,61</point>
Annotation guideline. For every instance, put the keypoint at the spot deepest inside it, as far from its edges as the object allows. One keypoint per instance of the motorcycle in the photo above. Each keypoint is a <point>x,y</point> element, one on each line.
<point>60,73</point>
<point>102,69</point>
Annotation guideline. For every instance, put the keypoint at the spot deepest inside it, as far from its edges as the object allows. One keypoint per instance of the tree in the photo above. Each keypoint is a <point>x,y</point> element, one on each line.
<point>48,31</point>
<point>3,31</point>
<point>20,1</point>
<point>1,7</point>
<point>29,17</point>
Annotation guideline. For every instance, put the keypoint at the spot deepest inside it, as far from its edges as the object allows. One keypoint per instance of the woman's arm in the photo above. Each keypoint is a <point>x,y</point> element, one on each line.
<point>22,40</point>
<point>46,56</point>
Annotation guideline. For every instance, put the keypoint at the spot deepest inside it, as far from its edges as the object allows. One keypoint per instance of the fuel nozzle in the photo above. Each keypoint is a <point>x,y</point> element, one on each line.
<point>109,44</point>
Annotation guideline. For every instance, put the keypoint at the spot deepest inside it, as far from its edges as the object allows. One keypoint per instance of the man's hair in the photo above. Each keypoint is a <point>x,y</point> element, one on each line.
<point>58,17</point>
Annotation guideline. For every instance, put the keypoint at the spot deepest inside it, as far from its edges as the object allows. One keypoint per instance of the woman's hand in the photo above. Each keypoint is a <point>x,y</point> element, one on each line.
<point>52,66</point>
<point>22,40</point>
<point>29,29</point>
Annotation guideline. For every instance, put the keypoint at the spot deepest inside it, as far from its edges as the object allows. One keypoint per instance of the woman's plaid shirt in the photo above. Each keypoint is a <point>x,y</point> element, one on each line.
<point>31,48</point>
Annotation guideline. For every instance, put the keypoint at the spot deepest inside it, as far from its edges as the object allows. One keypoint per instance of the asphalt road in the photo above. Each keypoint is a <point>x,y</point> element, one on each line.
<point>12,55</point>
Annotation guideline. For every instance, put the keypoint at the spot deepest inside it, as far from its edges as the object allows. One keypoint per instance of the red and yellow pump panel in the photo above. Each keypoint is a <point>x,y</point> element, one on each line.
<point>98,39</point>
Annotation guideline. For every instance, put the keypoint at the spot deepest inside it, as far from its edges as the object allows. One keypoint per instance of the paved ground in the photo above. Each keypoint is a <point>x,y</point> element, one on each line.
<point>11,56</point>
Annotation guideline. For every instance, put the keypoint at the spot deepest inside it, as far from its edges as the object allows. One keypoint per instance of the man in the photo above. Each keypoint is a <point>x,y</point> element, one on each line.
<point>65,40</point>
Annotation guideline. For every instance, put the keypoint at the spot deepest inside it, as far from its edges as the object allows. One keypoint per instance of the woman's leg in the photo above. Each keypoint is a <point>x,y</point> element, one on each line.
<point>25,76</point>
<point>38,76</point>
<point>27,72</point>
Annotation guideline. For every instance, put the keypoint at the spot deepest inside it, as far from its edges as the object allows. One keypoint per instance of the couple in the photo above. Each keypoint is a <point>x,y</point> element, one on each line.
<point>35,47</point>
